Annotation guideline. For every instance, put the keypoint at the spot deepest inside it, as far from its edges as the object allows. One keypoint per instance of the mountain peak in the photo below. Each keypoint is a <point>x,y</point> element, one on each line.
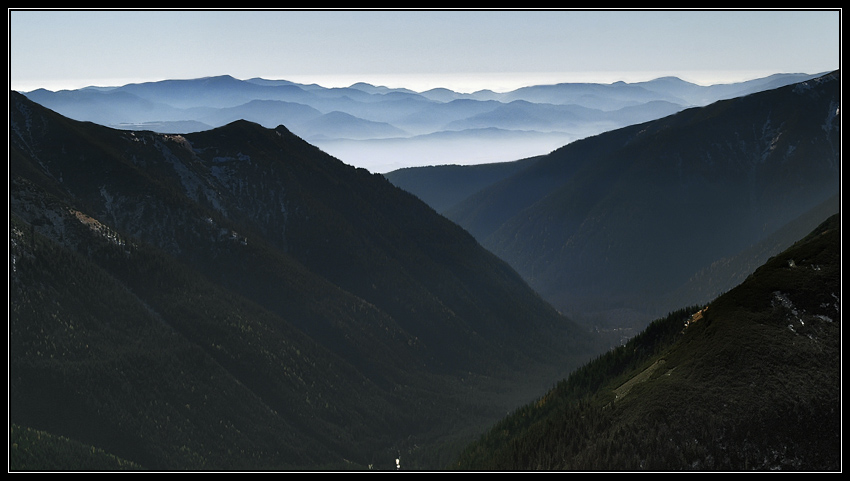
<point>221,79</point>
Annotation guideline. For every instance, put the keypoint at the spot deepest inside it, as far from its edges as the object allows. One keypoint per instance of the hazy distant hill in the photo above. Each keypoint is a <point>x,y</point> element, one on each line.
<point>340,125</point>
<point>611,226</point>
<point>750,382</point>
<point>572,110</point>
<point>469,147</point>
<point>237,299</point>
<point>108,107</point>
<point>268,113</point>
<point>444,186</point>
<point>604,97</point>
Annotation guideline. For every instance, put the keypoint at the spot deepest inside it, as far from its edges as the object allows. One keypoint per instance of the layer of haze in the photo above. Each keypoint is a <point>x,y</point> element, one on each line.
<point>461,50</point>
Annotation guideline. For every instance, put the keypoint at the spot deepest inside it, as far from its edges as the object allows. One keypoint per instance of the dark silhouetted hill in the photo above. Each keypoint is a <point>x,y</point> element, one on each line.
<point>749,382</point>
<point>236,299</point>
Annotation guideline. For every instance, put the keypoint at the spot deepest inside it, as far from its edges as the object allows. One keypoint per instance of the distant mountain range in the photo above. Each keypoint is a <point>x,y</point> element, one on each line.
<point>382,129</point>
<point>238,299</point>
<point>619,228</point>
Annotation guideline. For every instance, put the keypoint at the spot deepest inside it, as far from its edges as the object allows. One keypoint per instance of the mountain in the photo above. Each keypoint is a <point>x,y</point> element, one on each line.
<point>521,115</point>
<point>215,92</point>
<point>373,89</point>
<point>443,186</point>
<point>699,95</point>
<point>607,228</point>
<point>340,125</point>
<point>749,382</point>
<point>439,115</point>
<point>606,97</point>
<point>107,107</point>
<point>268,113</point>
<point>238,299</point>
<point>569,110</point>
<point>466,147</point>
<point>525,115</point>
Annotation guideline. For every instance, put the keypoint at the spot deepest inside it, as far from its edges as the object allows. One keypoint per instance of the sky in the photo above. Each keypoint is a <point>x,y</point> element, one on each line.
<point>418,49</point>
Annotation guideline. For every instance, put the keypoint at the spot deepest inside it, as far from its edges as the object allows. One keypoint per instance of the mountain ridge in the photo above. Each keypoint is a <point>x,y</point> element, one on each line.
<point>735,156</point>
<point>747,382</point>
<point>199,100</point>
<point>340,317</point>
<point>335,320</point>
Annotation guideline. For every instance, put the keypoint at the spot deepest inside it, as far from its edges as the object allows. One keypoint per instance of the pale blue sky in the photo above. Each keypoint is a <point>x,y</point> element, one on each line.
<point>464,50</point>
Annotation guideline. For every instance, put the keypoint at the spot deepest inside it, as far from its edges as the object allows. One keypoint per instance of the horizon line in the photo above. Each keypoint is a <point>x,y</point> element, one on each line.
<point>462,83</point>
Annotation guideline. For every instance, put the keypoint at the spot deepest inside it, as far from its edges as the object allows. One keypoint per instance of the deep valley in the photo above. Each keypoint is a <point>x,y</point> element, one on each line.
<point>203,276</point>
